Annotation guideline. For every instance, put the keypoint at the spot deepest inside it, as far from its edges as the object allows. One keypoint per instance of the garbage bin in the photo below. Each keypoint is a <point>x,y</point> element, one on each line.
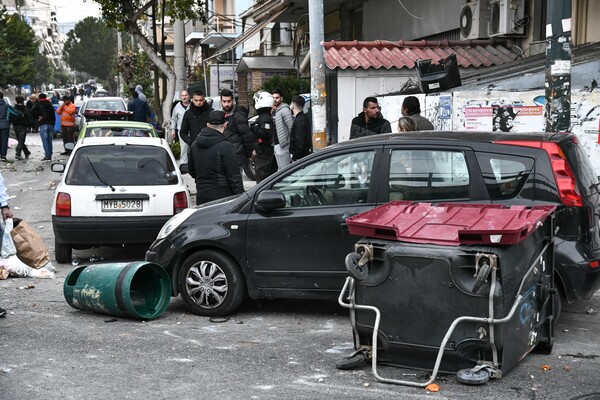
<point>137,289</point>
<point>451,286</point>
<point>56,122</point>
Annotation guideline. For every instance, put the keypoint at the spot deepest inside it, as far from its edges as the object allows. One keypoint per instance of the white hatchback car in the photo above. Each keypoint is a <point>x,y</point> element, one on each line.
<point>114,191</point>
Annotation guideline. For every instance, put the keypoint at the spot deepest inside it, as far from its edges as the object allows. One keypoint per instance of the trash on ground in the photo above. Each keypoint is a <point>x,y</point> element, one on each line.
<point>433,387</point>
<point>546,367</point>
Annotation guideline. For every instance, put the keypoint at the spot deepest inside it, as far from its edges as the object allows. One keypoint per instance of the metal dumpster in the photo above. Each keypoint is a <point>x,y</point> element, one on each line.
<point>459,288</point>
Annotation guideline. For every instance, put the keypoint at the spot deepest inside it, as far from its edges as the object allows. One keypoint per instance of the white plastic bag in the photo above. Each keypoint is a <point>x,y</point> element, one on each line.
<point>18,269</point>
<point>8,246</point>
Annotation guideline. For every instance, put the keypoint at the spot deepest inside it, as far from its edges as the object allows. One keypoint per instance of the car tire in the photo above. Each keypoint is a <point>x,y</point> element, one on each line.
<point>62,252</point>
<point>250,170</point>
<point>211,284</point>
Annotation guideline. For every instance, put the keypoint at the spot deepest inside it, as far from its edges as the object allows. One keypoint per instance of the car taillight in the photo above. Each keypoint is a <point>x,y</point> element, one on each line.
<point>179,202</point>
<point>594,264</point>
<point>63,205</point>
<point>565,179</point>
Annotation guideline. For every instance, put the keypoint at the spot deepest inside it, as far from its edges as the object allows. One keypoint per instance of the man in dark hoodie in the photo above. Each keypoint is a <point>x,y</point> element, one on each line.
<point>43,113</point>
<point>195,118</point>
<point>212,162</point>
<point>369,121</point>
<point>237,131</point>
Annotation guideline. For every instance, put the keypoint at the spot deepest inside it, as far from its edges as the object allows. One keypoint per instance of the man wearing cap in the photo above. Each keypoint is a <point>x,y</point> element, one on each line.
<point>212,162</point>
<point>67,113</point>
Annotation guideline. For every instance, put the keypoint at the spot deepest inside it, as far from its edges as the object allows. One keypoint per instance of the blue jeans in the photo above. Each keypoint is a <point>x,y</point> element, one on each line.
<point>46,135</point>
<point>4,141</point>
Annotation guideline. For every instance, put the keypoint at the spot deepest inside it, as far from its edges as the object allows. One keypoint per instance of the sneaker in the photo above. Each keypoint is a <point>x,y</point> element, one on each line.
<point>47,159</point>
<point>27,153</point>
<point>65,153</point>
<point>18,157</point>
<point>3,158</point>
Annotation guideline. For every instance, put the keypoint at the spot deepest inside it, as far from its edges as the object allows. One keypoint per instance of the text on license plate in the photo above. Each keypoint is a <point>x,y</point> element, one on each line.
<point>122,205</point>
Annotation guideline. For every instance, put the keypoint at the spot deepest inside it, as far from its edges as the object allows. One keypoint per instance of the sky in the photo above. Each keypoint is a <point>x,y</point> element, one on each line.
<point>68,13</point>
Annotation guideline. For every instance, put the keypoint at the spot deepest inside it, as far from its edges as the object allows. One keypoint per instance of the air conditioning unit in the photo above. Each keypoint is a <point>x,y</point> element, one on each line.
<point>474,19</point>
<point>507,17</point>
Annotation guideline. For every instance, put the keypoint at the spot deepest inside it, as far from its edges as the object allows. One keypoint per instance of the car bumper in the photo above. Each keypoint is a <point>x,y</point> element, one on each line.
<point>96,231</point>
<point>165,254</point>
<point>579,279</point>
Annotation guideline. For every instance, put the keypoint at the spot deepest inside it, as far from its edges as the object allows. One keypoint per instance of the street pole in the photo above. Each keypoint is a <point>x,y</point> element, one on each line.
<point>558,66</point>
<point>318,93</point>
<point>179,55</point>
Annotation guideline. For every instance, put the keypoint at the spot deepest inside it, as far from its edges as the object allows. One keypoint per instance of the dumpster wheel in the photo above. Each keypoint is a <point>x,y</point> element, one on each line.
<point>473,376</point>
<point>354,267</point>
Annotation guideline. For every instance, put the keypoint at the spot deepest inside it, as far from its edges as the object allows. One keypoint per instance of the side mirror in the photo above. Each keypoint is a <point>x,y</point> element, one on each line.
<point>57,167</point>
<point>183,168</point>
<point>269,200</point>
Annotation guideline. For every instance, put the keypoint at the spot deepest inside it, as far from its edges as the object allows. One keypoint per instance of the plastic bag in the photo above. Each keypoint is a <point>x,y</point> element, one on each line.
<point>18,269</point>
<point>8,246</point>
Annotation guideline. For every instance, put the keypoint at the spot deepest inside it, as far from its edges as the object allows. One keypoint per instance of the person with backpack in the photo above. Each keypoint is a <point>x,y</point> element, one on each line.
<point>21,125</point>
<point>264,130</point>
<point>7,115</point>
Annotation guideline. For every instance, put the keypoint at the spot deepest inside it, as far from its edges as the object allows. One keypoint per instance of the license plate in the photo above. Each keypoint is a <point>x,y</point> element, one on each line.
<point>122,205</point>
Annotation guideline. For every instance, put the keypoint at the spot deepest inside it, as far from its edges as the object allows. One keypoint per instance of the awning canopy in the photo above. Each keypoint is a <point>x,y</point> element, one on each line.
<point>276,11</point>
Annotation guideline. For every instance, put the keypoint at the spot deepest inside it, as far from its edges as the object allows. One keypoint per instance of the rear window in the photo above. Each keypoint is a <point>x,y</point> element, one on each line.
<point>584,173</point>
<point>127,132</point>
<point>127,165</point>
<point>428,175</point>
<point>504,175</point>
<point>112,105</point>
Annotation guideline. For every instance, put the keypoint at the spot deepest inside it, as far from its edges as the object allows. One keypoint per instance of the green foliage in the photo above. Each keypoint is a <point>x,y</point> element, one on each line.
<point>42,71</point>
<point>91,47</point>
<point>290,85</point>
<point>176,149</point>
<point>18,50</point>
<point>136,69</point>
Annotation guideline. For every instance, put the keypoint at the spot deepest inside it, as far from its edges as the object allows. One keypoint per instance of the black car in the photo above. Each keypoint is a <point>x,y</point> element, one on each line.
<point>287,236</point>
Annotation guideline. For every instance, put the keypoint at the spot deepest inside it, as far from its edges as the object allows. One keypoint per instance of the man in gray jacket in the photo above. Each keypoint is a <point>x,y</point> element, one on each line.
<point>282,115</point>
<point>176,118</point>
<point>411,107</point>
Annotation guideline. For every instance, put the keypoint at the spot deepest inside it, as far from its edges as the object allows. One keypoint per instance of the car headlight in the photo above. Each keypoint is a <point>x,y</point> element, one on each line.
<point>174,222</point>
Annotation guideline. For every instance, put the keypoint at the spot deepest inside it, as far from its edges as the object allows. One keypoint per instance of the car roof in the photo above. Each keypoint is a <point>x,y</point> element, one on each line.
<point>120,140</point>
<point>119,124</point>
<point>105,98</point>
<point>463,137</point>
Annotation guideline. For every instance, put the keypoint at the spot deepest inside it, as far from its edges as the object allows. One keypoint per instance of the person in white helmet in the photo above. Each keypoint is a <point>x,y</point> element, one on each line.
<point>263,130</point>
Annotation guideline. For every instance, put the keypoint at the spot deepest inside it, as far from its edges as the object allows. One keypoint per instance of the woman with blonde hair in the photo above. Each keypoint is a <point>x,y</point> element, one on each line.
<point>406,124</point>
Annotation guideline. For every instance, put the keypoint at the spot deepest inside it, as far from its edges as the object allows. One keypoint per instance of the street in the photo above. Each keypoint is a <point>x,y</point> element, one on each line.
<point>267,350</point>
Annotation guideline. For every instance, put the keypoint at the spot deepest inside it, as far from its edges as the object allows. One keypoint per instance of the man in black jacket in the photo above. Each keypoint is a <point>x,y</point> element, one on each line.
<point>369,121</point>
<point>301,133</point>
<point>43,113</point>
<point>212,162</point>
<point>195,118</point>
<point>237,131</point>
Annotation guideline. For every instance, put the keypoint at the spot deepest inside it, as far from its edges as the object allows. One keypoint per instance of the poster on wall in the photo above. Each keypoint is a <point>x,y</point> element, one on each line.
<point>504,118</point>
<point>438,110</point>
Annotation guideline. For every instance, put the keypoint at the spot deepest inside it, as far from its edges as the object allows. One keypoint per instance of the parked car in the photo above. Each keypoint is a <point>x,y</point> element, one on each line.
<point>117,128</point>
<point>114,191</point>
<point>287,237</point>
<point>101,108</point>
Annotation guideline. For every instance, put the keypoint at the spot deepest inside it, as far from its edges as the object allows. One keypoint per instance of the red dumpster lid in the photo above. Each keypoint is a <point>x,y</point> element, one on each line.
<point>449,224</point>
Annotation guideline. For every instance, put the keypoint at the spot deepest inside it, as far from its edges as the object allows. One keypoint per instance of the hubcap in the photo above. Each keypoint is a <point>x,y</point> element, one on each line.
<point>206,284</point>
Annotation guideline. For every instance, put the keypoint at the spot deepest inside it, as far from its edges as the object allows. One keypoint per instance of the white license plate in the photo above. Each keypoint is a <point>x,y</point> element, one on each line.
<point>122,205</point>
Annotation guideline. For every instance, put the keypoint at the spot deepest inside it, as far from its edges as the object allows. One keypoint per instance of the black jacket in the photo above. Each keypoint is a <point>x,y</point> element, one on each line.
<point>239,135</point>
<point>263,130</point>
<point>300,137</point>
<point>375,126</point>
<point>44,109</point>
<point>141,110</point>
<point>212,165</point>
<point>26,121</point>
<point>193,121</point>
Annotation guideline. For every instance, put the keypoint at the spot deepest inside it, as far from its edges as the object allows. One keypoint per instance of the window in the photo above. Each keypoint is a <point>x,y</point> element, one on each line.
<point>428,175</point>
<point>338,180</point>
<point>121,165</point>
<point>504,175</point>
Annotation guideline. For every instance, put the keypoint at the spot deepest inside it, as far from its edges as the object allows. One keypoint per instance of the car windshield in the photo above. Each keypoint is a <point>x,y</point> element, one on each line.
<point>118,131</point>
<point>128,165</point>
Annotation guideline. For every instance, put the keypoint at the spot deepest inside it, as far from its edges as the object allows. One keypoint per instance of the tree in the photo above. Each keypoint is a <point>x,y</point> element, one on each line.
<point>91,47</point>
<point>18,50</point>
<point>129,15</point>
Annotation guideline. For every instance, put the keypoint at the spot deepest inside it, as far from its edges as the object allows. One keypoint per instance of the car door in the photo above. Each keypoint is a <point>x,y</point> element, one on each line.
<point>303,245</point>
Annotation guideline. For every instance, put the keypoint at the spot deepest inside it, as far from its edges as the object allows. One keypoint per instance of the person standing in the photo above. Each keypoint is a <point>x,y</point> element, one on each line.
<point>140,92</point>
<point>21,126</point>
<point>237,131</point>
<point>55,99</point>
<point>176,119</point>
<point>43,113</point>
<point>369,121</point>
<point>411,107</point>
<point>139,108</point>
<point>263,130</point>
<point>301,134</point>
<point>282,115</point>
<point>7,113</point>
<point>6,213</point>
<point>212,162</point>
<point>406,124</point>
<point>194,119</point>
<point>67,113</point>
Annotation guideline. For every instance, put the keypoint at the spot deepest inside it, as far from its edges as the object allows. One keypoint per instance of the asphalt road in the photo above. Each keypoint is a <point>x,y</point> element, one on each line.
<point>267,350</point>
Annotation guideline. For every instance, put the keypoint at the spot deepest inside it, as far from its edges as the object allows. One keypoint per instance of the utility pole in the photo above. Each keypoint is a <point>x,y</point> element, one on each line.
<point>558,66</point>
<point>179,55</point>
<point>318,93</point>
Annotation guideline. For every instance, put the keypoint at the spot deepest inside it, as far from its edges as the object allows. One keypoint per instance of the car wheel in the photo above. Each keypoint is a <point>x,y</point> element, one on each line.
<point>250,170</point>
<point>211,284</point>
<point>62,252</point>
